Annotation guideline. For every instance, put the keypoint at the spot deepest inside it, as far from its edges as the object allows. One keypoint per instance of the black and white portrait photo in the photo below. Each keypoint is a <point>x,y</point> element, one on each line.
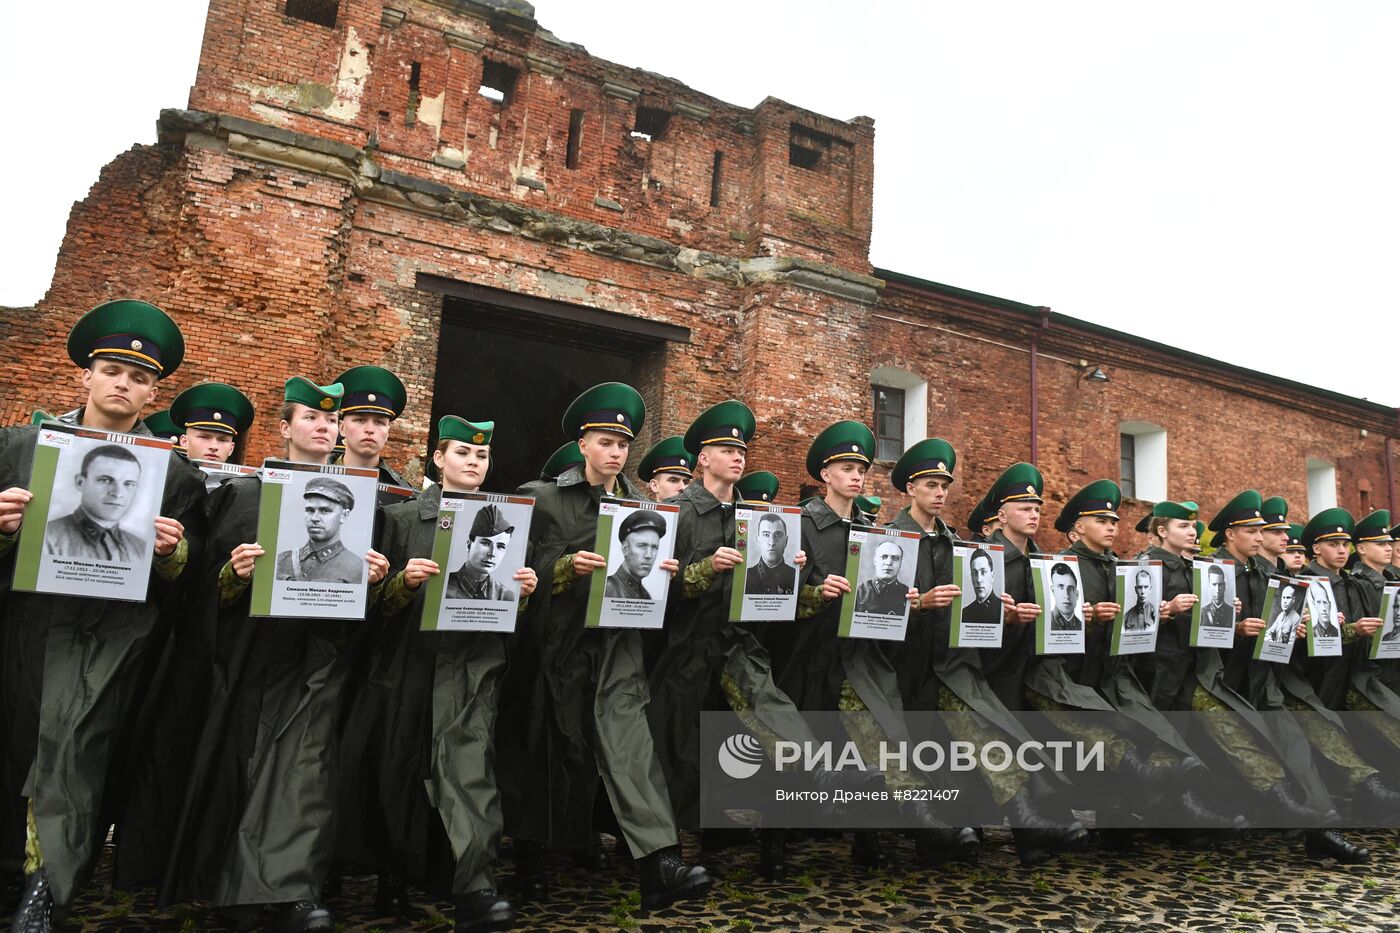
<point>1324,627</point>
<point>326,504</point>
<point>485,537</point>
<point>771,548</point>
<point>1142,605</point>
<point>982,586</point>
<point>1218,598</point>
<point>880,569</point>
<point>97,496</point>
<point>1139,586</point>
<point>487,546</point>
<point>1066,604</point>
<point>884,588</point>
<point>639,541</point>
<point>635,538</point>
<point>1391,619</point>
<point>1060,628</point>
<point>1287,613</point>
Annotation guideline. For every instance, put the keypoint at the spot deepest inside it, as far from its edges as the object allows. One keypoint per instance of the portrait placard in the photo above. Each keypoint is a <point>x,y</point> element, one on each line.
<point>1059,629</point>
<point>1385,643</point>
<point>1324,631</point>
<point>765,581</point>
<point>1213,615</point>
<point>1139,598</point>
<point>316,524</point>
<point>880,566</point>
<point>90,527</point>
<point>980,572</point>
<point>478,546</point>
<point>1283,612</point>
<point>630,590</point>
<point>217,473</point>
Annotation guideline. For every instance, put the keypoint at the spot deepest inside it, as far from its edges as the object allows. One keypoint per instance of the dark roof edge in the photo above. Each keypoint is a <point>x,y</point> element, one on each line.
<point>1033,312</point>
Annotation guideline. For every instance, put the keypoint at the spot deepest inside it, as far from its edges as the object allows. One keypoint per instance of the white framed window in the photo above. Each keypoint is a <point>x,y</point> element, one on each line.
<point>1322,485</point>
<point>899,410</point>
<point>1142,460</point>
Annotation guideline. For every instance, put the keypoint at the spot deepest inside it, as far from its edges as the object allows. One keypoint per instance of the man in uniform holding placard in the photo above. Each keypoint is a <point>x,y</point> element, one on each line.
<point>73,665</point>
<point>211,416</point>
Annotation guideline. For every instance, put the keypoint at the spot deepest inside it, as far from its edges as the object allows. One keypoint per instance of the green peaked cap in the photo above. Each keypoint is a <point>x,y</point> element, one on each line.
<point>163,426</point>
<point>669,455</point>
<point>981,514</point>
<point>566,456</point>
<point>870,505</point>
<point>372,390</point>
<point>1274,511</point>
<point>1186,511</point>
<point>1374,527</point>
<point>1295,538</point>
<point>1020,482</point>
<point>213,406</point>
<point>611,406</point>
<point>1244,510</point>
<point>760,486</point>
<point>1328,525</point>
<point>1101,497</point>
<point>844,440</point>
<point>40,416</point>
<point>452,428</point>
<point>729,422</point>
<point>130,331</point>
<point>930,457</point>
<point>303,391</point>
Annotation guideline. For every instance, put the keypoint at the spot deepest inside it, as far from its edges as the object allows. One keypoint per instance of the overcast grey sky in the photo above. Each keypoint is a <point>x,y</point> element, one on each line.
<point>1218,176</point>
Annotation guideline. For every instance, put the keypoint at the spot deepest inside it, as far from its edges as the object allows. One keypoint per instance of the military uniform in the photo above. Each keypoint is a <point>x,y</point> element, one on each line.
<point>73,665</point>
<point>778,580</point>
<point>78,535</point>
<point>374,390</point>
<point>1005,667</point>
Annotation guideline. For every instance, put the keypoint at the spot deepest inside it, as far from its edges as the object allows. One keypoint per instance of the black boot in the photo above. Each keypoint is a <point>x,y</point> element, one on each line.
<point>666,878</point>
<point>531,870</point>
<point>35,911</point>
<point>1375,799</point>
<point>390,896</point>
<point>1022,813</point>
<point>478,911</point>
<point>933,847</point>
<point>865,849</point>
<point>1289,809</point>
<point>1200,816</point>
<point>772,854</point>
<point>1328,843</point>
<point>592,858</point>
<point>306,915</point>
<point>1035,846</point>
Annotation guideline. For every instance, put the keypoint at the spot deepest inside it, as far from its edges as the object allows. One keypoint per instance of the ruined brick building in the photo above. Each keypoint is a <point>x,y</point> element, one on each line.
<point>446,188</point>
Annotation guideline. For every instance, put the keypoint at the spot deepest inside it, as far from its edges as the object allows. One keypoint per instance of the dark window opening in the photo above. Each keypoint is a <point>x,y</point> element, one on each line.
<point>415,72</point>
<point>575,136</point>
<point>807,148</point>
<point>889,423</point>
<point>714,179</point>
<point>1365,502</point>
<point>497,82</point>
<point>651,124</point>
<point>1127,465</point>
<point>320,12</point>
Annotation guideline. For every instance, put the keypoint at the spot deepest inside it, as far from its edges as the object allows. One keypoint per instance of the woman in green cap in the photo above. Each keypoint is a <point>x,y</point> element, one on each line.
<point>258,823</point>
<point>433,698</point>
<point>575,702</point>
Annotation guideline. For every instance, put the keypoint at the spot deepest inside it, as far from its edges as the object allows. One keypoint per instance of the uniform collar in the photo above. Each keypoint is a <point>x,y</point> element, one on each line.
<point>573,476</point>
<point>823,517</point>
<point>1314,569</point>
<point>76,417</point>
<point>1012,551</point>
<point>1081,549</point>
<point>703,500</point>
<point>430,502</point>
<point>91,529</point>
<point>322,554</point>
<point>1168,559</point>
<point>905,522</point>
<point>1371,576</point>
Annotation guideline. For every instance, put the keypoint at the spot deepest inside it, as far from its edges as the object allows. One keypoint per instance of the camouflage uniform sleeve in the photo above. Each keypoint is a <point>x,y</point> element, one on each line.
<point>1350,634</point>
<point>394,594</point>
<point>230,586</point>
<point>173,564</point>
<point>809,601</point>
<point>563,575</point>
<point>697,578</point>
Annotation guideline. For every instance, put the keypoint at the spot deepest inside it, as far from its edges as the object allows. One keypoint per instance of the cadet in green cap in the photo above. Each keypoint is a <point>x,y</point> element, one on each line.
<point>870,507</point>
<point>373,398</point>
<point>212,418</point>
<point>933,676</point>
<point>1158,762</point>
<point>80,700</point>
<point>1295,556</point>
<point>1168,673</point>
<point>578,696</point>
<point>566,456</point>
<point>429,714</point>
<point>1015,501</point>
<point>821,671</point>
<point>760,486</point>
<point>1273,534</point>
<point>255,829</point>
<point>708,662</point>
<point>162,425</point>
<point>981,521</point>
<point>667,468</point>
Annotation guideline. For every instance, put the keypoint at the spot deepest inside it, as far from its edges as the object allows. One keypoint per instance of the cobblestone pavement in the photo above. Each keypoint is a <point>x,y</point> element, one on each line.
<point>1259,882</point>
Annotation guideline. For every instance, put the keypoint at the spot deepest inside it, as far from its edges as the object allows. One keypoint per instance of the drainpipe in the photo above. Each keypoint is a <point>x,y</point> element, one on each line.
<point>1390,468</point>
<point>1035,381</point>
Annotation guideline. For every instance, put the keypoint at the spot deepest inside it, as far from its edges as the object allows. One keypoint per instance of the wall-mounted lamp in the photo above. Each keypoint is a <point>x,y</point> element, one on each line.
<point>1092,373</point>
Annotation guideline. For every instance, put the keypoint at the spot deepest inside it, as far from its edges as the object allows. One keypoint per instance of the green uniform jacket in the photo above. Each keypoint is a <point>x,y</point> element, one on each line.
<point>258,822</point>
<point>1374,680</point>
<point>701,647</point>
<point>1331,676</point>
<point>72,683</point>
<point>821,661</point>
<point>1005,667</point>
<point>428,716</point>
<point>575,699</point>
<point>1097,679</point>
